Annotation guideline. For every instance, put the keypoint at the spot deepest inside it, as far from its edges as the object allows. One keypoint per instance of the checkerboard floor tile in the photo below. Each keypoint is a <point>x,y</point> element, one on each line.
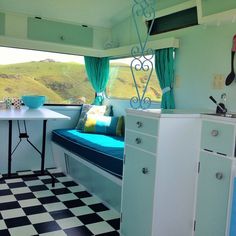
<point>30,207</point>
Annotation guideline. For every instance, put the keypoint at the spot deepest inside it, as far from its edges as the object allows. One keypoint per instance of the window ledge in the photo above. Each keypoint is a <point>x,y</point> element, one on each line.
<point>154,44</point>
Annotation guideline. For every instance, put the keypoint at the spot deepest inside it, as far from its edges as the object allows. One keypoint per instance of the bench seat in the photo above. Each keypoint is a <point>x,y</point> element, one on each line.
<point>104,151</point>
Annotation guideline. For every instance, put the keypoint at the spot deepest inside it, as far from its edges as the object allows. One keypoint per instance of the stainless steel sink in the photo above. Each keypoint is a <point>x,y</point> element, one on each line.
<point>228,115</point>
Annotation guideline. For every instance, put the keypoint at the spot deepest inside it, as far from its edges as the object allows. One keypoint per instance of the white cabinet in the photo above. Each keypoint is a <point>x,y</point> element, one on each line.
<point>138,193</point>
<point>215,181</point>
<point>139,175</point>
<point>179,175</point>
<point>212,195</point>
<point>215,11</point>
<point>159,177</point>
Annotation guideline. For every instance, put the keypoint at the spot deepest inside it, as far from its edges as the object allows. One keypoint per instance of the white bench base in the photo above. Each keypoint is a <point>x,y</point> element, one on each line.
<point>98,182</point>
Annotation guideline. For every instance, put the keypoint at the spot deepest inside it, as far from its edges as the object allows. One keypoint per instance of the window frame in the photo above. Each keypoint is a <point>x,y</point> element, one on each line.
<point>125,99</point>
<point>49,51</point>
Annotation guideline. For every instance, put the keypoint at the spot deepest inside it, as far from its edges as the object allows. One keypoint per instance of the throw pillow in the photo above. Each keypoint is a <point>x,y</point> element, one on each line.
<point>110,125</point>
<point>92,109</point>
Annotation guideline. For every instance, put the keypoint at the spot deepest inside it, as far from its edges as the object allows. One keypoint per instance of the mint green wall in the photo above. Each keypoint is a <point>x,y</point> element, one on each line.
<point>204,53</point>
<point>163,4</point>
<point>2,23</point>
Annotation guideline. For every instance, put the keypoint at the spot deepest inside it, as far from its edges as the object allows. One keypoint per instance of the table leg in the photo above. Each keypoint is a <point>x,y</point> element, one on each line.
<point>9,146</point>
<point>43,146</point>
<point>43,153</point>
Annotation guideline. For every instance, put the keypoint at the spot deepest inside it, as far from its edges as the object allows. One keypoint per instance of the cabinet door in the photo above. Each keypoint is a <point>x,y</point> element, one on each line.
<point>138,191</point>
<point>210,7</point>
<point>212,195</point>
<point>58,32</point>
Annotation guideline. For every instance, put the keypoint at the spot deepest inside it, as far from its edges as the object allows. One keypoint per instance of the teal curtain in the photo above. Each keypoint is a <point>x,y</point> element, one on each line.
<point>98,74</point>
<point>164,64</point>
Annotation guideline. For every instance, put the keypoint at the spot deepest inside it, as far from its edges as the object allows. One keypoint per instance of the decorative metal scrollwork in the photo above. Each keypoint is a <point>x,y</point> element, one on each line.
<point>142,56</point>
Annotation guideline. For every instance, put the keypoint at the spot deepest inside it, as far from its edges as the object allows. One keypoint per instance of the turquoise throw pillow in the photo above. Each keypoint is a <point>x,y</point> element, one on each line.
<point>110,125</point>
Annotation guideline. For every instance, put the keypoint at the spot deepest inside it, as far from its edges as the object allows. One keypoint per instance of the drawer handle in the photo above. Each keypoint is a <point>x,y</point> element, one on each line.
<point>138,140</point>
<point>145,170</point>
<point>214,132</point>
<point>139,124</point>
<point>219,175</point>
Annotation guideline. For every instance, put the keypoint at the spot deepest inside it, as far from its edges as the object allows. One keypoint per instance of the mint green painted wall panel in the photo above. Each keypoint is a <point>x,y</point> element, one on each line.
<point>194,70</point>
<point>141,141</point>
<point>2,23</point>
<point>212,196</point>
<point>149,126</point>
<point>51,31</point>
<point>210,7</point>
<point>162,4</point>
<point>221,143</point>
<point>138,191</point>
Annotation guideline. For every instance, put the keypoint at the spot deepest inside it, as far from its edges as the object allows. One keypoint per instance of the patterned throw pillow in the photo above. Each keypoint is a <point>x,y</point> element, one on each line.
<point>110,125</point>
<point>92,109</point>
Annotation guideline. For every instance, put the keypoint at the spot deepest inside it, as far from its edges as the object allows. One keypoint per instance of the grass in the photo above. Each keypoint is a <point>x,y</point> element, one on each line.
<point>64,82</point>
<point>122,85</point>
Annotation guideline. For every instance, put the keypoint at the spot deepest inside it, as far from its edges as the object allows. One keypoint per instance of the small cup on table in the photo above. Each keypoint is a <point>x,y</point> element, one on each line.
<point>17,103</point>
<point>8,102</point>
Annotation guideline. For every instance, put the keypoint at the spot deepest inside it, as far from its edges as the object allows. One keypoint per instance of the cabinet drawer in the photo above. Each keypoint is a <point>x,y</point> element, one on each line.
<point>142,124</point>
<point>217,137</point>
<point>141,141</point>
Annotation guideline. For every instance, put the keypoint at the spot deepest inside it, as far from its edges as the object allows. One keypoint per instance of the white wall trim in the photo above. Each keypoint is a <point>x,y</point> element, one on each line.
<point>51,47</point>
<point>83,51</point>
<point>154,44</point>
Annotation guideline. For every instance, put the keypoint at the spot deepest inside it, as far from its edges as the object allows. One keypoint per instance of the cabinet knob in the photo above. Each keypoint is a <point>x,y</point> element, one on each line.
<point>214,133</point>
<point>138,140</point>
<point>145,170</point>
<point>139,124</point>
<point>219,175</point>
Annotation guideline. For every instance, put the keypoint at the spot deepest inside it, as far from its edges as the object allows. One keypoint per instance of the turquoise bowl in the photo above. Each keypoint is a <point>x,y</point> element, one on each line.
<point>33,101</point>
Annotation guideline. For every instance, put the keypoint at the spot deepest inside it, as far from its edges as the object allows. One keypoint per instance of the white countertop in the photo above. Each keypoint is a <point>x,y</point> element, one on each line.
<point>176,113</point>
<point>31,114</point>
<point>170,113</point>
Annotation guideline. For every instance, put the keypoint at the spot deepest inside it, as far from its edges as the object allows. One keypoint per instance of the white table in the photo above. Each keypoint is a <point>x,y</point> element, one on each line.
<point>25,114</point>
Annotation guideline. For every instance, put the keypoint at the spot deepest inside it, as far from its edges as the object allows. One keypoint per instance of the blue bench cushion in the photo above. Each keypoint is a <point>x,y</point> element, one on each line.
<point>101,150</point>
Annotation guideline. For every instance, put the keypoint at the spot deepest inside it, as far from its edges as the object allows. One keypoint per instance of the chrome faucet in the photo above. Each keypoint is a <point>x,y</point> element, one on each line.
<point>220,106</point>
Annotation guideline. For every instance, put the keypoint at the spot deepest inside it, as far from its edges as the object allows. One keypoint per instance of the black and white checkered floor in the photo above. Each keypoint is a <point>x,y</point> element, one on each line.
<point>30,206</point>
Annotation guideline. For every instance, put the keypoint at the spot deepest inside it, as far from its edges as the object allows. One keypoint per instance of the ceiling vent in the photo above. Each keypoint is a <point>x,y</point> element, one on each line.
<point>174,21</point>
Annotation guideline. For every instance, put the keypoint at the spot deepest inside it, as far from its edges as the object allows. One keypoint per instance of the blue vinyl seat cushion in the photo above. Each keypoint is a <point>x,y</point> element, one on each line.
<point>101,150</point>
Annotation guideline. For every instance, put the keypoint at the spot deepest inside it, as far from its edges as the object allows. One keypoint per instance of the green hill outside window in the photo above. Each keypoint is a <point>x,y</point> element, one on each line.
<point>121,85</point>
<point>60,77</point>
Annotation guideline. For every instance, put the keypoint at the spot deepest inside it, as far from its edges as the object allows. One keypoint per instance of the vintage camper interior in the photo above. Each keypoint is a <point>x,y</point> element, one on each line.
<point>117,117</point>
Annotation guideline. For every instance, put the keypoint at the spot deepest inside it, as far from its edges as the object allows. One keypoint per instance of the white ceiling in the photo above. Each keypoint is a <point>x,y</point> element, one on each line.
<point>101,13</point>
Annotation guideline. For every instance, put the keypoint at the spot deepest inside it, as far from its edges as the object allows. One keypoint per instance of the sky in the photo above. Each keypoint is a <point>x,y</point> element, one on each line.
<point>15,55</point>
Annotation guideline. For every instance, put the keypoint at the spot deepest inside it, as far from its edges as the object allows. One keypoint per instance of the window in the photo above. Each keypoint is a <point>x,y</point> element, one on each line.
<point>121,84</point>
<point>60,77</point>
